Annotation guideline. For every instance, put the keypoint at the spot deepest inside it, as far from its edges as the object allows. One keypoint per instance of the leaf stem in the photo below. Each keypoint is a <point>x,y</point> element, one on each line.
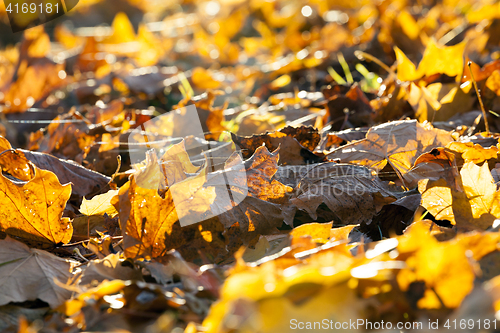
<point>479,97</point>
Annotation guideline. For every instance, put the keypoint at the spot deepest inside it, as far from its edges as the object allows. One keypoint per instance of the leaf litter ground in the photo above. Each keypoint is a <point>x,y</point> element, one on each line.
<point>366,185</point>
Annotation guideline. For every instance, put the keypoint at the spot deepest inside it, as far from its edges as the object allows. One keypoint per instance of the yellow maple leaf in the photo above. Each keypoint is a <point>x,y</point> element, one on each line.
<point>436,60</point>
<point>476,206</point>
<point>33,210</point>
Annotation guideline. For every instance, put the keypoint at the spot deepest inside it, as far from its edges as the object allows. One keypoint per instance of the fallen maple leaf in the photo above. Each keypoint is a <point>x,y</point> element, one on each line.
<point>147,220</point>
<point>296,144</point>
<point>19,164</point>
<point>351,192</point>
<point>449,277</point>
<point>261,209</point>
<point>150,222</point>
<point>33,210</point>
<point>436,60</point>
<point>474,205</point>
<point>397,143</point>
<point>473,152</point>
<point>27,274</point>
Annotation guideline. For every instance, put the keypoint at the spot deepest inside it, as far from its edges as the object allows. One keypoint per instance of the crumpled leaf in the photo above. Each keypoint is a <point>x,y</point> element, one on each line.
<point>151,223</point>
<point>347,109</point>
<point>261,209</point>
<point>473,152</point>
<point>17,164</point>
<point>351,192</point>
<point>296,144</point>
<point>27,274</point>
<point>397,143</point>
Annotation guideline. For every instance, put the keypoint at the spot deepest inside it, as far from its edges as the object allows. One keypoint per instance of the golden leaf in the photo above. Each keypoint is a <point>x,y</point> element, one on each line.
<point>448,277</point>
<point>436,60</point>
<point>33,210</point>
<point>473,152</point>
<point>476,206</point>
<point>99,205</point>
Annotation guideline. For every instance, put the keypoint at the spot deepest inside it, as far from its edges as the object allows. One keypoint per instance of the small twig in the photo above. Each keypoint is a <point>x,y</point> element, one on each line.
<point>86,240</point>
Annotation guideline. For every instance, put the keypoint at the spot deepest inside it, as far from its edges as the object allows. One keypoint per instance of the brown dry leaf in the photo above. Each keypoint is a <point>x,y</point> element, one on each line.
<point>86,182</point>
<point>296,144</point>
<point>475,205</point>
<point>33,210</point>
<point>67,137</point>
<point>347,109</point>
<point>392,218</point>
<point>27,274</point>
<point>397,143</point>
<point>351,192</point>
<point>261,210</point>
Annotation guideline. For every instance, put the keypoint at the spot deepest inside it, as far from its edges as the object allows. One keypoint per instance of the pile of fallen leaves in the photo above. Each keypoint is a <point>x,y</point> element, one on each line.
<point>370,166</point>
